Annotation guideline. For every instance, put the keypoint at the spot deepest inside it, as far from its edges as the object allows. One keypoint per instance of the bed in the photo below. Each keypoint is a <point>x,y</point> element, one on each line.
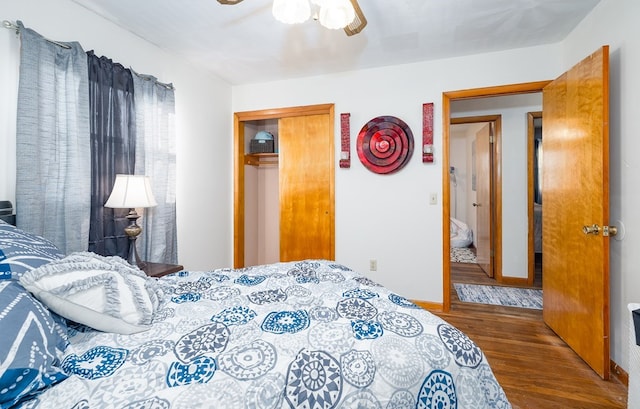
<point>88,331</point>
<point>461,234</point>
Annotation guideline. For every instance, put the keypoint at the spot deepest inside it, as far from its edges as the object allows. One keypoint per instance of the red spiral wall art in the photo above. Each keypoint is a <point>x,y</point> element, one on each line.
<point>385,144</point>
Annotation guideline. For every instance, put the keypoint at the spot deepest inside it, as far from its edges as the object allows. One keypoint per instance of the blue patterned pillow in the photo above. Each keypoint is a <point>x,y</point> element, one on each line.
<point>21,251</point>
<point>31,347</point>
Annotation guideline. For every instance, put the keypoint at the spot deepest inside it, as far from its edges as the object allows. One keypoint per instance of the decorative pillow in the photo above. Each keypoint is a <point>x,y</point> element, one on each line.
<point>21,251</point>
<point>105,293</point>
<point>31,347</point>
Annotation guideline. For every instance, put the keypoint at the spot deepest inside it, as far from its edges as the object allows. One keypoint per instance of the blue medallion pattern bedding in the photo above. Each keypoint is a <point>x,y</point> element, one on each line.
<point>310,334</point>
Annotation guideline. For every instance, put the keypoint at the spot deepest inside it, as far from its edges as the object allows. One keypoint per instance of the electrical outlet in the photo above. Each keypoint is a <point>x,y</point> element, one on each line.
<point>433,198</point>
<point>373,265</point>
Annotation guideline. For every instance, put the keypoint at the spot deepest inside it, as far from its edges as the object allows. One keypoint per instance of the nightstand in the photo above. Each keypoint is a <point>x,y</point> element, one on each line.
<point>160,269</point>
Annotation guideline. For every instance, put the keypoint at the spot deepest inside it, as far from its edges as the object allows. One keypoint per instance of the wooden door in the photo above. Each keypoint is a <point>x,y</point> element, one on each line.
<point>575,274</point>
<point>483,200</point>
<point>306,188</point>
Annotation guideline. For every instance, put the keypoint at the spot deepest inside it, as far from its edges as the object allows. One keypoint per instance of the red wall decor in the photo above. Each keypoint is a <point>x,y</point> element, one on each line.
<point>385,144</point>
<point>427,132</point>
<point>345,141</point>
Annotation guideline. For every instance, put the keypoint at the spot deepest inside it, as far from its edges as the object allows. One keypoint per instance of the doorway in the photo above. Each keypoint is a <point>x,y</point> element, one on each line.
<point>477,196</point>
<point>468,95</point>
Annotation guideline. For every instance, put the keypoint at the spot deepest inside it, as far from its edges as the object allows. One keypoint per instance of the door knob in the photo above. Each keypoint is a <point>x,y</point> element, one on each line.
<point>476,204</point>
<point>595,229</point>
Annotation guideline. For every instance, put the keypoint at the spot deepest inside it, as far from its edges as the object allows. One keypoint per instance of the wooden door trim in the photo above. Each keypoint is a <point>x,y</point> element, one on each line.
<point>275,113</point>
<point>238,167</point>
<point>496,187</point>
<point>447,97</point>
<point>531,264</point>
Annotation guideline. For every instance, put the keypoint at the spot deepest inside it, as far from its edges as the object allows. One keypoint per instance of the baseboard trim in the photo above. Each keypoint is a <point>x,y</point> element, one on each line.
<point>515,281</point>
<point>429,306</point>
<point>619,373</point>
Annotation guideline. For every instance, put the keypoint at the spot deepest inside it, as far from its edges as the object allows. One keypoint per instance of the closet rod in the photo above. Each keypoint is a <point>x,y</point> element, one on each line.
<point>12,26</point>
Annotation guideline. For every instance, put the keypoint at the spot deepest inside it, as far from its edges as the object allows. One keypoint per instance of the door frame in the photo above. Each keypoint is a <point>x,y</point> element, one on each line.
<point>531,264</point>
<point>239,118</point>
<point>495,188</point>
<point>447,97</point>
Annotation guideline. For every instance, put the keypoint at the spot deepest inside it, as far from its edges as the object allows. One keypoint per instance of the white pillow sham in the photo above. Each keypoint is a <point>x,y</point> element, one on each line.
<point>105,293</point>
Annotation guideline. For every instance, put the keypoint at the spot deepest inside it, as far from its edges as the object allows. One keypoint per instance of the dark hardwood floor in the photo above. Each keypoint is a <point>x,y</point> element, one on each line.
<point>534,366</point>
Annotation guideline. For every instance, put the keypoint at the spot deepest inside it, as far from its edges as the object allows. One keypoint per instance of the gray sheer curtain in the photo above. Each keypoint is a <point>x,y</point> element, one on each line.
<point>156,158</point>
<point>53,174</point>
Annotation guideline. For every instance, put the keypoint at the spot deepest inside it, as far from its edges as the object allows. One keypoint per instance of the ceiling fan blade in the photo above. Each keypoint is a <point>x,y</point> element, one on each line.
<point>358,23</point>
<point>230,2</point>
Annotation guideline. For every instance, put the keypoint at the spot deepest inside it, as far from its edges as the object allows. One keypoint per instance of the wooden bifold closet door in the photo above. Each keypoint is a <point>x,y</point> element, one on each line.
<point>306,199</point>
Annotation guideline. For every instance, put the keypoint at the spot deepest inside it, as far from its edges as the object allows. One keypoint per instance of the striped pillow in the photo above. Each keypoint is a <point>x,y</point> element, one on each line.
<point>105,293</point>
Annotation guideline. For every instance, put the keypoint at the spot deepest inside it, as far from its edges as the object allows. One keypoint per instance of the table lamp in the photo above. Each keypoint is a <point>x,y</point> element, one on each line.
<point>131,192</point>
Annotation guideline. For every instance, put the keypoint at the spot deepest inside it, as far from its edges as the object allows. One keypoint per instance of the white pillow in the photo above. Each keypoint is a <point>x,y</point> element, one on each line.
<point>105,293</point>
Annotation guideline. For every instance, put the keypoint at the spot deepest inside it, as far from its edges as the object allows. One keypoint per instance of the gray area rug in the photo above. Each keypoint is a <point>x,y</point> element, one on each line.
<point>462,255</point>
<point>499,295</point>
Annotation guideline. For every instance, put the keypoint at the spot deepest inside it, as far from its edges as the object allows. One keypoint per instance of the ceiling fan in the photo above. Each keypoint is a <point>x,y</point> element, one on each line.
<point>359,22</point>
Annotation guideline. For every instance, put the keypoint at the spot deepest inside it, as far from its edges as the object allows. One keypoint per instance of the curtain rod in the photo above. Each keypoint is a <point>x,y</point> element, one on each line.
<point>152,78</point>
<point>12,26</point>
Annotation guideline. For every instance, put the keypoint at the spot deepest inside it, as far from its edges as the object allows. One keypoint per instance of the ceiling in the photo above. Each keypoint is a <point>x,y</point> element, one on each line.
<point>244,44</point>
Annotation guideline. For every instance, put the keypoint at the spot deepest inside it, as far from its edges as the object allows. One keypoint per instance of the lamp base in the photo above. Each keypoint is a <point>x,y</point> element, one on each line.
<point>133,230</point>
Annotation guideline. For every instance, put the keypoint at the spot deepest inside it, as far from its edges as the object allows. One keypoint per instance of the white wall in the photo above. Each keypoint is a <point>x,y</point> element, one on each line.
<point>388,217</point>
<point>458,159</point>
<point>615,23</point>
<point>203,109</point>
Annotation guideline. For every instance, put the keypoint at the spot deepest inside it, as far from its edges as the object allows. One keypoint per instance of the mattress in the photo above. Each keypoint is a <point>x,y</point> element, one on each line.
<point>308,334</point>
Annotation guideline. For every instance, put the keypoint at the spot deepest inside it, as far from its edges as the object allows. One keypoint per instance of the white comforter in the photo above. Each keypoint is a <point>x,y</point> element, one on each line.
<point>311,334</point>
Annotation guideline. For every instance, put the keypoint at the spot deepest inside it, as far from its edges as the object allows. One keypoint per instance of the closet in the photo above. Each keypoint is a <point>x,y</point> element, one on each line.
<point>284,207</point>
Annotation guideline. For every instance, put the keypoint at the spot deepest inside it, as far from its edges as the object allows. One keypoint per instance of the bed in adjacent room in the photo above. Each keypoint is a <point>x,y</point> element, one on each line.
<point>461,235</point>
<point>309,334</point>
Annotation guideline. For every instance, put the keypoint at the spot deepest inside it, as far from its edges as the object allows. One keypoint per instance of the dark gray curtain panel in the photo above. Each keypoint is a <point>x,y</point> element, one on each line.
<point>52,142</point>
<point>113,143</point>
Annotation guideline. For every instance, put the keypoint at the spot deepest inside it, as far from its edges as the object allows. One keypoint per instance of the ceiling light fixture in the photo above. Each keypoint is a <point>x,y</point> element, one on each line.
<point>332,14</point>
<point>336,14</point>
<point>291,11</point>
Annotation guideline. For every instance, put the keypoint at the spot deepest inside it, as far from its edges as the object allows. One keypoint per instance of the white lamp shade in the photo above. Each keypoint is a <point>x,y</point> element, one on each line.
<point>131,191</point>
<point>336,14</point>
<point>291,11</point>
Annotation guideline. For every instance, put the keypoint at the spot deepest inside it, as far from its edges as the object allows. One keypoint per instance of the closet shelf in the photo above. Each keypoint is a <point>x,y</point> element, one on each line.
<point>261,159</point>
